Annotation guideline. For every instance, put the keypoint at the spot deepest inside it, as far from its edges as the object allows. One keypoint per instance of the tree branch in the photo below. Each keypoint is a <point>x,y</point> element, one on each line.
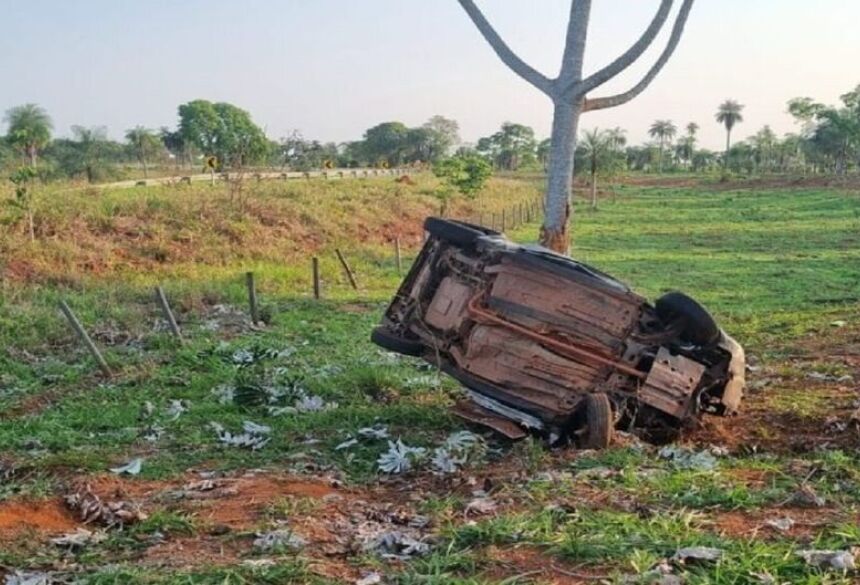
<point>508,57</point>
<point>623,98</point>
<point>630,56</point>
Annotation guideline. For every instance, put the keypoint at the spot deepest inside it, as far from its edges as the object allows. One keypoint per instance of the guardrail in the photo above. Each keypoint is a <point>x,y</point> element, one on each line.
<point>328,174</point>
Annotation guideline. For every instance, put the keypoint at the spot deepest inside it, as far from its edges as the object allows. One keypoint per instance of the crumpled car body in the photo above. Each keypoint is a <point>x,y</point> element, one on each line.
<point>547,343</point>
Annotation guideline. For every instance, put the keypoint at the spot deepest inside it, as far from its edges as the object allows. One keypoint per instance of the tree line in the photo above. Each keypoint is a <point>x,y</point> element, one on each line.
<point>827,141</point>
<point>208,135</point>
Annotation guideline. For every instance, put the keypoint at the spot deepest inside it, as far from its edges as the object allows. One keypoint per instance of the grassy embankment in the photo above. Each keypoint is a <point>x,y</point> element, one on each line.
<point>776,267</point>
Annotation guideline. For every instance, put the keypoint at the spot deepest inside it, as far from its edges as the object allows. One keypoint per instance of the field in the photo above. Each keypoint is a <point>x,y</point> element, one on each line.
<point>778,265</point>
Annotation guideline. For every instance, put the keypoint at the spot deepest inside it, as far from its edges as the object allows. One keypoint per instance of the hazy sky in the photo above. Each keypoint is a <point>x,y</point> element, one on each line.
<point>332,68</point>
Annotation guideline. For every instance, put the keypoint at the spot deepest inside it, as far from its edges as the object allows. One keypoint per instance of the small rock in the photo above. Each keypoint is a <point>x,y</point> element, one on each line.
<point>698,554</point>
<point>370,579</point>
<point>837,560</point>
<point>838,323</point>
<point>781,524</point>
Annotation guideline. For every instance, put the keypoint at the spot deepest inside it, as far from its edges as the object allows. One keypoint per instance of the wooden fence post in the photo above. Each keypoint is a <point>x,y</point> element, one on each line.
<point>315,266</point>
<point>82,334</point>
<point>397,260</point>
<point>167,313</point>
<point>347,269</point>
<point>252,297</point>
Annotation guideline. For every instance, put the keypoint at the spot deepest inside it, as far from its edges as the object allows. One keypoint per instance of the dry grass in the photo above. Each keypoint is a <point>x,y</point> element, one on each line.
<point>101,233</point>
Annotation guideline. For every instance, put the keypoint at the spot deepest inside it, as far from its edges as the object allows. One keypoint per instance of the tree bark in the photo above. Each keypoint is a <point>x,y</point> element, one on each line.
<point>594,189</point>
<point>559,189</point>
<point>728,145</point>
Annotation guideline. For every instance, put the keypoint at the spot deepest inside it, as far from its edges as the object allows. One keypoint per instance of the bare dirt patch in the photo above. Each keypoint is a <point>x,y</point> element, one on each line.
<point>43,517</point>
<point>804,526</point>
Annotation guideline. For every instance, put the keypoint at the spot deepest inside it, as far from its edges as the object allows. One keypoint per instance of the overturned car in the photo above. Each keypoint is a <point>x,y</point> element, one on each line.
<point>543,342</point>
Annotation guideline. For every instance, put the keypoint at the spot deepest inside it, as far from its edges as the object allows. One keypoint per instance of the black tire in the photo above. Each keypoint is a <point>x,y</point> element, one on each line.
<point>697,325</point>
<point>454,232</point>
<point>385,339</point>
<point>598,422</point>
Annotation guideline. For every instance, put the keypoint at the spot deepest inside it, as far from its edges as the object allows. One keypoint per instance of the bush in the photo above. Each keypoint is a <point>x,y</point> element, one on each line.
<point>467,173</point>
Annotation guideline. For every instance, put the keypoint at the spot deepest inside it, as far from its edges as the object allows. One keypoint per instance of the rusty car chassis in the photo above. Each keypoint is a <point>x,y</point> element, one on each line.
<point>543,342</point>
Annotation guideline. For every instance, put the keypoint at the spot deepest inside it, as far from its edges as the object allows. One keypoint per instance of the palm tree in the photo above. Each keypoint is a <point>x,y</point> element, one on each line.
<point>729,114</point>
<point>688,143</point>
<point>595,144</point>
<point>663,130</point>
<point>29,129</point>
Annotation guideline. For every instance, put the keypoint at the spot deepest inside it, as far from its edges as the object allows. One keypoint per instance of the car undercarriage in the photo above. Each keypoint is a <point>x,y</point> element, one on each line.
<point>545,343</point>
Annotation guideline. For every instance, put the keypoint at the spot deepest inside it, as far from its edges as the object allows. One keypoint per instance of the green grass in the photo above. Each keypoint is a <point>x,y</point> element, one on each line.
<point>772,265</point>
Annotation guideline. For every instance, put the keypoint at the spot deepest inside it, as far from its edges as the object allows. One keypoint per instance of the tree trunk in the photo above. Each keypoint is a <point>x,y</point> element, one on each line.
<point>31,152</point>
<point>32,227</point>
<point>145,167</point>
<point>593,189</point>
<point>660,163</point>
<point>728,145</point>
<point>554,232</point>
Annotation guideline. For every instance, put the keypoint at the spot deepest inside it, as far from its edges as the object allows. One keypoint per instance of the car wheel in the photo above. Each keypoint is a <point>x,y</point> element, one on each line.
<point>697,325</point>
<point>598,422</point>
<point>453,232</point>
<point>385,339</point>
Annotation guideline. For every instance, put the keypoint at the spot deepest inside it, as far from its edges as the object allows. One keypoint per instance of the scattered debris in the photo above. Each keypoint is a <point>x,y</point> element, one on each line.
<point>78,539</point>
<point>254,437</point>
<point>399,458</point>
<point>279,540</point>
<point>837,560</point>
<point>32,578</point>
<point>133,467</point>
<point>821,377</point>
<point>373,578</point>
<point>396,545</point>
<point>374,432</point>
<point>313,404</point>
<point>838,323</point>
<point>683,458</point>
<point>175,409</point>
<point>444,462</point>
<point>92,510</point>
<point>805,497</point>
<point>480,507</point>
<point>259,563</point>
<point>152,433</point>
<point>697,554</point>
<point>781,524</point>
<point>147,409</point>
<point>346,444</point>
